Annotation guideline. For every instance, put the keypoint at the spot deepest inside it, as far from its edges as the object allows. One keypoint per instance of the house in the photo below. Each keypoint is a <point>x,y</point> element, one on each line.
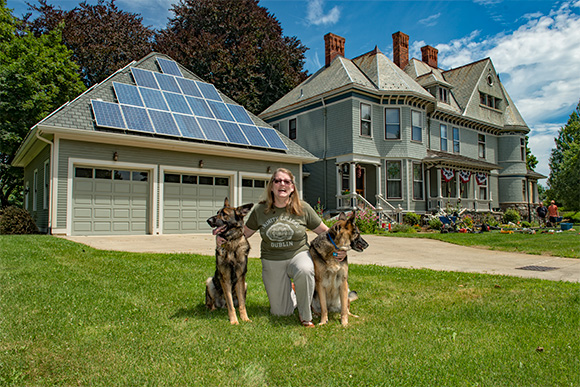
<point>404,135</point>
<point>153,149</point>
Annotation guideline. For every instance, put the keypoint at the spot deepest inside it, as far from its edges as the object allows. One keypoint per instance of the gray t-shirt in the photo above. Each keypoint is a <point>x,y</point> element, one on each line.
<point>283,234</point>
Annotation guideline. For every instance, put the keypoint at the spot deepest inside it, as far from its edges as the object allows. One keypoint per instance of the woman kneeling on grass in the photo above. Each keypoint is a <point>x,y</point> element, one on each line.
<point>283,220</point>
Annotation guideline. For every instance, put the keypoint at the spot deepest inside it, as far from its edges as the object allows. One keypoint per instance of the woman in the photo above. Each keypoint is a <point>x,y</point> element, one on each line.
<point>283,220</point>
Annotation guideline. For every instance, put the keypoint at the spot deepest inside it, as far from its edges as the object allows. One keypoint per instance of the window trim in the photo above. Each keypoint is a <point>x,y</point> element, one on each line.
<point>523,148</point>
<point>441,126</point>
<point>386,123</point>
<point>46,184</point>
<point>481,146</point>
<point>456,141</point>
<point>420,115</point>
<point>35,190</point>
<point>399,180</point>
<point>370,121</point>
<point>422,181</point>
<point>292,131</point>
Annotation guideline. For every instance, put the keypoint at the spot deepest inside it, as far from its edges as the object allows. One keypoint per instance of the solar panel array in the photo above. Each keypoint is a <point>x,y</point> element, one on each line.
<point>169,104</point>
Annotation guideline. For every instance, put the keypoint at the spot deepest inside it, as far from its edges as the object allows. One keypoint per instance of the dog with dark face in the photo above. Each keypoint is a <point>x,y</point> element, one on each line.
<point>331,275</point>
<point>227,288</point>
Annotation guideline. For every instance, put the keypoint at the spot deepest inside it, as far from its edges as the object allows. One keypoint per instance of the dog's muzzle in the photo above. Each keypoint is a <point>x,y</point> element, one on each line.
<point>359,244</point>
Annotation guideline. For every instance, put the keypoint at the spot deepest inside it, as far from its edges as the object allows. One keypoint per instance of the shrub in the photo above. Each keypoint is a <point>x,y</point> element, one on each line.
<point>16,220</point>
<point>435,224</point>
<point>412,219</point>
<point>511,215</point>
<point>367,222</point>
<point>466,222</point>
<point>490,220</point>
<point>402,228</point>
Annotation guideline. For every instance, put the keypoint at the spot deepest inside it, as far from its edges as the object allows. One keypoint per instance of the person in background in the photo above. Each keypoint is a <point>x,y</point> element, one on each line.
<point>553,213</point>
<point>542,211</point>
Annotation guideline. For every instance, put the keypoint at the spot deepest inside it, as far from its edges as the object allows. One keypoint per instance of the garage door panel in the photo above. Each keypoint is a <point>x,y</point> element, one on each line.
<point>206,191</point>
<point>83,213</point>
<point>101,200</point>
<point>104,186</point>
<point>189,214</point>
<point>189,202</point>
<point>121,201</point>
<point>189,226</point>
<point>121,226</point>
<point>142,226</point>
<point>172,214</point>
<point>172,189</point>
<point>121,213</point>
<point>101,226</point>
<point>83,199</point>
<point>102,213</point>
<point>136,213</point>
<point>82,226</point>
<point>83,185</point>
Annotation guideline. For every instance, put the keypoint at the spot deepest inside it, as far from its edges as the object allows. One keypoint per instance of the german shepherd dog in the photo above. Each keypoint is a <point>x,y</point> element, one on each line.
<point>331,288</point>
<point>227,287</point>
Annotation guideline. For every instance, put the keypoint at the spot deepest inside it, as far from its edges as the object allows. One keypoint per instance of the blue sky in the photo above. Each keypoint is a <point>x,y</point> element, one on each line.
<point>534,45</point>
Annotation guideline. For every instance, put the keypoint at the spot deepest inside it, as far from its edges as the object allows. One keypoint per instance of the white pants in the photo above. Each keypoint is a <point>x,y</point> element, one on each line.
<point>276,276</point>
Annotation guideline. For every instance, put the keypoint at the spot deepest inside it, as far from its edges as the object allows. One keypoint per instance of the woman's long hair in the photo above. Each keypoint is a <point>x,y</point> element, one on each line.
<point>294,206</point>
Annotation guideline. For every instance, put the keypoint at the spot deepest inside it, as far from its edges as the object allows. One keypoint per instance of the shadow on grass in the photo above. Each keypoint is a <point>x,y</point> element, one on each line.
<point>201,312</point>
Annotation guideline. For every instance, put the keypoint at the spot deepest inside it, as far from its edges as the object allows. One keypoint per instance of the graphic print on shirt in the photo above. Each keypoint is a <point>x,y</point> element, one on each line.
<point>280,231</point>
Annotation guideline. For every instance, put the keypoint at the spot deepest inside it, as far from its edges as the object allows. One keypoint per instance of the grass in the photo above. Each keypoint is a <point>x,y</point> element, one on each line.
<point>72,315</point>
<point>564,244</point>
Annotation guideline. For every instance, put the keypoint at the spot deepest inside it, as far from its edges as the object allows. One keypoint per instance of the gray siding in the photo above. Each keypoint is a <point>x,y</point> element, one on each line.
<point>40,216</point>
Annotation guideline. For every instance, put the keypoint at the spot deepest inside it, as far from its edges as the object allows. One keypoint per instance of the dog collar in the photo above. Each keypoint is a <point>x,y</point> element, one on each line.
<point>334,254</point>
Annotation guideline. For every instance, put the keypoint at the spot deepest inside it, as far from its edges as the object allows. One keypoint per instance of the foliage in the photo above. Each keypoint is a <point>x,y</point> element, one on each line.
<point>367,222</point>
<point>412,218</point>
<point>16,220</point>
<point>511,215</point>
<point>490,220</point>
<point>572,216</point>
<point>238,46</point>
<point>36,76</point>
<point>319,208</point>
<point>564,179</point>
<point>435,224</point>
<point>73,315</point>
<point>531,160</point>
<point>402,228</point>
<point>101,37</point>
<point>466,222</point>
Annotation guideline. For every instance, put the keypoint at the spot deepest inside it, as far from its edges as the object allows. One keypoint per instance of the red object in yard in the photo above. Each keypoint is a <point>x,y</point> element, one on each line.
<point>389,227</point>
<point>463,230</point>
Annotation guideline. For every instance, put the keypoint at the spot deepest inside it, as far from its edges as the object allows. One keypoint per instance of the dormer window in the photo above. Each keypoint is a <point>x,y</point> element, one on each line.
<point>489,101</point>
<point>443,94</point>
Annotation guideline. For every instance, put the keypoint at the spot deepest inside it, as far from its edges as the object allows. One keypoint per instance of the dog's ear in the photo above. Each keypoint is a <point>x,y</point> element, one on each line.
<point>243,210</point>
<point>352,217</point>
<point>226,202</point>
<point>342,216</point>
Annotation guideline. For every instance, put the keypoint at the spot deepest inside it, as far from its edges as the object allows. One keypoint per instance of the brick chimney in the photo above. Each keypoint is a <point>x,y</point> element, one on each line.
<point>401,49</point>
<point>333,46</point>
<point>429,55</point>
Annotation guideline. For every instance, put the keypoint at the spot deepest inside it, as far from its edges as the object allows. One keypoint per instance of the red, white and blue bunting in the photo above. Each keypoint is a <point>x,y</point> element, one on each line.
<point>481,178</point>
<point>465,176</point>
<point>447,174</point>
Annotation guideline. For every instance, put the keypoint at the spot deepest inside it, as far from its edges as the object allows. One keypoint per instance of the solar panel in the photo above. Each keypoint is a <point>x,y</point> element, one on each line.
<point>273,138</point>
<point>220,111</point>
<point>153,98</point>
<point>188,87</point>
<point>212,130</point>
<point>209,91</point>
<point>144,78</point>
<point>167,82</point>
<point>137,118</point>
<point>233,132</point>
<point>164,123</point>
<point>127,94</point>
<point>254,136</point>
<point>240,114</point>
<point>199,107</point>
<point>189,126</point>
<point>169,67</point>
<point>108,114</point>
<point>177,103</point>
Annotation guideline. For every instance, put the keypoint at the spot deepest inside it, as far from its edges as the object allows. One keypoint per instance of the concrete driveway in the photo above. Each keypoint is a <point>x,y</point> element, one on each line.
<point>386,251</point>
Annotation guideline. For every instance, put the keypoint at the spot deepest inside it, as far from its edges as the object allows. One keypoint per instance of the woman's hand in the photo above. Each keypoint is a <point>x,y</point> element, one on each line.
<point>219,241</point>
<point>340,255</point>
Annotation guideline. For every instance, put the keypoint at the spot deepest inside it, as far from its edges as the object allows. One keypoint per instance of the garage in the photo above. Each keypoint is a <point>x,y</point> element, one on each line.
<point>189,199</point>
<point>110,201</point>
<point>253,189</point>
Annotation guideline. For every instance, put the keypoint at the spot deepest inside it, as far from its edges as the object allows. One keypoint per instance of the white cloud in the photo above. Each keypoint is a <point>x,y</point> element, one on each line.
<point>317,16</point>
<point>430,21</point>
<point>538,64</point>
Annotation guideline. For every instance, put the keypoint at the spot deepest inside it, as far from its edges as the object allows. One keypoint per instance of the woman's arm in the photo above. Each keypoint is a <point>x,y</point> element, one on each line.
<point>248,232</point>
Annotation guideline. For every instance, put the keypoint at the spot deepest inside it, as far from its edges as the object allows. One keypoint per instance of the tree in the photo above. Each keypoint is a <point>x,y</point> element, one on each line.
<point>102,38</point>
<point>236,45</point>
<point>37,75</point>
<point>564,179</point>
<point>531,160</point>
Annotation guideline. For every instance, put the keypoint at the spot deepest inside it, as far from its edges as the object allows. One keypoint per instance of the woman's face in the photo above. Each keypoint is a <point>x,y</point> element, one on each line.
<point>282,187</point>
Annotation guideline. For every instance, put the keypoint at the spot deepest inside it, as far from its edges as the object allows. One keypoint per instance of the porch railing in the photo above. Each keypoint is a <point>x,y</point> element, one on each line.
<point>470,204</point>
<point>352,201</point>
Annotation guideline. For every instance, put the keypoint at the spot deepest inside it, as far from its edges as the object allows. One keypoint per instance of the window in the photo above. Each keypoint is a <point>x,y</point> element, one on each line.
<point>292,129</point>
<point>417,124</point>
<point>35,190</point>
<point>417,181</point>
<point>345,178</point>
<point>392,124</point>
<point>456,140</point>
<point>464,189</point>
<point>365,120</point>
<point>482,192</point>
<point>489,101</point>
<point>106,174</point>
<point>524,191</point>
<point>444,138</point>
<point>46,191</point>
<point>449,188</point>
<point>481,145</point>
<point>276,126</point>
<point>26,193</point>
<point>84,172</point>
<point>140,176</point>
<point>122,175</point>
<point>172,178</point>
<point>443,95</point>
<point>394,183</point>
<point>523,149</point>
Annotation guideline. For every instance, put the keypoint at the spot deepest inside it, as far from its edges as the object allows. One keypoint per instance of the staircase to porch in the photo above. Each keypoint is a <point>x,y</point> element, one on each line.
<point>386,212</point>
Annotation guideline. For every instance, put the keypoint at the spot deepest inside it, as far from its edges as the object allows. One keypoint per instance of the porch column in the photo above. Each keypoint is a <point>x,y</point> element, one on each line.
<point>352,183</point>
<point>457,184</point>
<point>338,184</point>
<point>379,170</point>
<point>439,196</point>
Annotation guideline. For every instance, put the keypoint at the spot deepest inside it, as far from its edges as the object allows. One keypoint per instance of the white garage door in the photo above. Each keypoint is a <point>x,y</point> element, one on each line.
<point>253,190</point>
<point>110,201</point>
<point>189,200</point>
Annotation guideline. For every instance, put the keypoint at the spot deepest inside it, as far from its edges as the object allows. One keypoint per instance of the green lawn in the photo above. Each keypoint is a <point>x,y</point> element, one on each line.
<point>564,244</point>
<point>72,315</point>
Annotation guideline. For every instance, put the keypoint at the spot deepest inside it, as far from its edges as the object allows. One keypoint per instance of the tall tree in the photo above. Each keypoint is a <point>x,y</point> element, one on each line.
<point>564,179</point>
<point>531,160</point>
<point>37,75</point>
<point>238,46</point>
<point>102,37</point>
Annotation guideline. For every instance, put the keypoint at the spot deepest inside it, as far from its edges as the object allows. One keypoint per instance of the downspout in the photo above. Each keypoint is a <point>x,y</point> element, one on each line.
<point>50,196</point>
<point>325,152</point>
